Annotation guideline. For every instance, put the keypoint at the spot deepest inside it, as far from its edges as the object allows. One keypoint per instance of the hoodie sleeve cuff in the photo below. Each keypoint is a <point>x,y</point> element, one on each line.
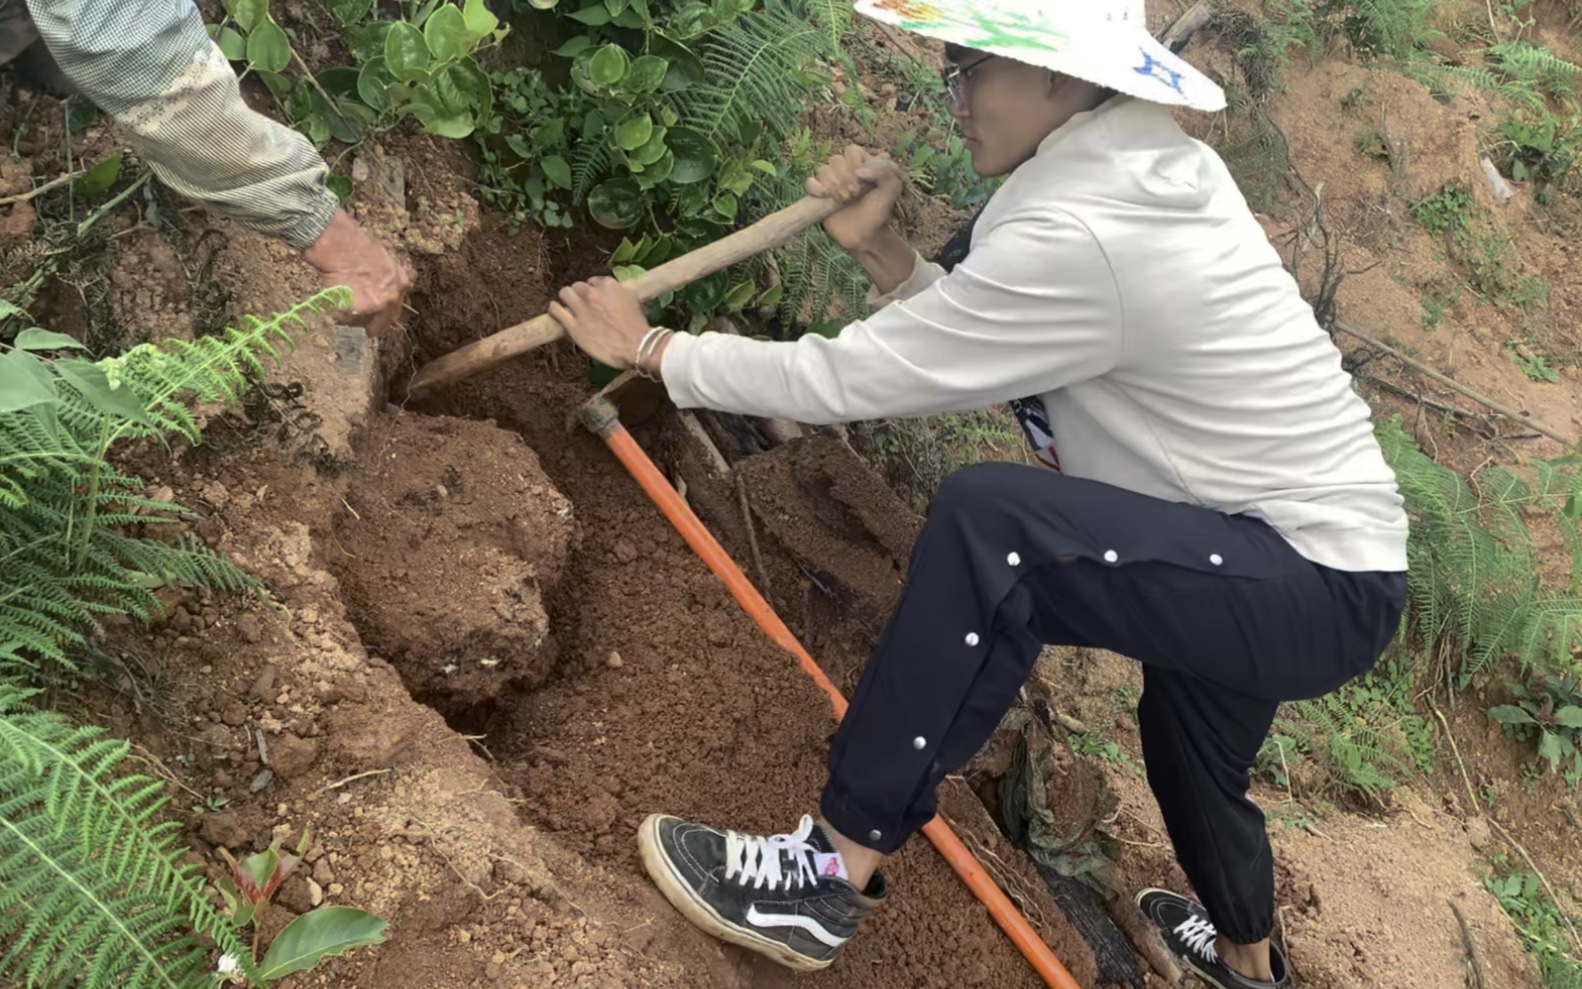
<point>924,273</point>
<point>678,367</point>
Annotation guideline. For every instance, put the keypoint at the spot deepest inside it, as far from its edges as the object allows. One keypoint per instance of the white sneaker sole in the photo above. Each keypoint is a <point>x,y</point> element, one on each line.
<point>703,916</point>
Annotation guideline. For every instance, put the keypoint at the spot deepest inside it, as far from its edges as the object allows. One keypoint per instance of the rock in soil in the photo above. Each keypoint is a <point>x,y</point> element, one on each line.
<point>361,739</point>
<point>451,589</point>
<point>291,756</point>
<point>223,829</point>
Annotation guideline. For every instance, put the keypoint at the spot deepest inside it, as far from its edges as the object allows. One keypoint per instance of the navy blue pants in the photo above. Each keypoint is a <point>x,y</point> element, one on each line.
<point>1226,618</point>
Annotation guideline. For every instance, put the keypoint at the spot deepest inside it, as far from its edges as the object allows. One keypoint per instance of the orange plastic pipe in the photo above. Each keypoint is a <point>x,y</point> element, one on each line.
<point>600,417</point>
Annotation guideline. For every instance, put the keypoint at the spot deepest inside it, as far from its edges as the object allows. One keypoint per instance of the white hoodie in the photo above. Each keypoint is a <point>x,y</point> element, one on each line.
<point>1120,277</point>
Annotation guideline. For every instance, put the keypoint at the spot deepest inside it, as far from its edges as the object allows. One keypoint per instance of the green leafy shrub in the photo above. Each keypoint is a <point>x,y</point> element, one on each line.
<point>677,125</point>
<point>93,892</point>
<point>423,65</point>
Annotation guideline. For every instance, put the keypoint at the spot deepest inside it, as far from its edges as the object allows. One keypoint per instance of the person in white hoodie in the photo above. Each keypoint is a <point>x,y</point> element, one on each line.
<point>1218,508</point>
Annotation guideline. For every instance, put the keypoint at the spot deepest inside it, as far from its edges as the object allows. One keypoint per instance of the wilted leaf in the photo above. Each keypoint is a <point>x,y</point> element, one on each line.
<point>557,171</point>
<point>247,13</point>
<point>695,156</point>
<point>37,339</point>
<point>268,48</point>
<point>93,384</point>
<point>98,179</point>
<point>479,19</point>
<point>446,34</point>
<point>20,386</point>
<point>608,65</point>
<point>616,204</point>
<point>634,131</point>
<point>232,45</point>
<point>406,53</point>
<point>645,74</point>
<point>319,934</point>
<point>1510,714</point>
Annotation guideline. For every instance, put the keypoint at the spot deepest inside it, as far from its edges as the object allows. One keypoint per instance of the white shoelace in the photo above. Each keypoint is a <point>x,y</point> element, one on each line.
<point>765,861</point>
<point>1198,934</point>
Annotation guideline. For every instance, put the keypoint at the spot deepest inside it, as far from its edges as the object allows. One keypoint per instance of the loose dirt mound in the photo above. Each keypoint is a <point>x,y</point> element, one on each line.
<point>671,699</point>
<point>449,542</point>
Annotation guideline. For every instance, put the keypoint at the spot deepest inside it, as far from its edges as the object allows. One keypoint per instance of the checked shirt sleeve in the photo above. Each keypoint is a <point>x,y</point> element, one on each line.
<point>152,67</point>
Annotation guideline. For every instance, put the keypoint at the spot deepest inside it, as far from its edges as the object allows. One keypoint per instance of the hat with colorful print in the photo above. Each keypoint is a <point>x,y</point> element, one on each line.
<point>1105,42</point>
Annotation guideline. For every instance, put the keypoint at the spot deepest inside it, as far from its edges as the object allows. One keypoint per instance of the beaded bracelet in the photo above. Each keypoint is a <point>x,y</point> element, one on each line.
<point>646,348</point>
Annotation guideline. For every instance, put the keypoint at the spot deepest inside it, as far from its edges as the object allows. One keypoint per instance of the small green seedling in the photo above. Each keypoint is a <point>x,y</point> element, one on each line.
<point>1552,713</point>
<point>211,804</point>
<point>306,941</point>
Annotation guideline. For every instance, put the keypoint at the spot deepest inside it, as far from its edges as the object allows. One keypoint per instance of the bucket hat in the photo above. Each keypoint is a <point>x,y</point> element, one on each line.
<point>1105,42</point>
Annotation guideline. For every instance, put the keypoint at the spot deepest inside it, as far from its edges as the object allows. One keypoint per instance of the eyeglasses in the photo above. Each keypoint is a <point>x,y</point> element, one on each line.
<point>957,79</point>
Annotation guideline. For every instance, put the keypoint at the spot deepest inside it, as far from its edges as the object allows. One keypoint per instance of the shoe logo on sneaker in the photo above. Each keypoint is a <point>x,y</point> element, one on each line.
<point>758,918</point>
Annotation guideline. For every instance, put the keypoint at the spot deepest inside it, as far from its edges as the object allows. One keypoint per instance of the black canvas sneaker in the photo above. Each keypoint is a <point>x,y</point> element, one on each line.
<point>1190,934</point>
<point>782,896</point>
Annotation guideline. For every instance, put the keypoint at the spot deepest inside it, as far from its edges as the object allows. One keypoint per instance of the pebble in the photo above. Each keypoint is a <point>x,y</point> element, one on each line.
<point>336,889</point>
<point>323,873</point>
<point>235,714</point>
<point>464,936</point>
<point>615,662</point>
<point>315,893</point>
<point>625,551</point>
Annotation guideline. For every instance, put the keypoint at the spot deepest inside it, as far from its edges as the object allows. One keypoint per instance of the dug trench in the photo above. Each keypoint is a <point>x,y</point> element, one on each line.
<point>525,588</point>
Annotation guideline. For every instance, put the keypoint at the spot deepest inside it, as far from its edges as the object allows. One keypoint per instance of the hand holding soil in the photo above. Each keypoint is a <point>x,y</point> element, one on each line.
<point>605,319</point>
<point>347,255</point>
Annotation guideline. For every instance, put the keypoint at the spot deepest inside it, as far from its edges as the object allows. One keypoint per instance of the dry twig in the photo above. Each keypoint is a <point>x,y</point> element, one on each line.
<point>1474,958</point>
<point>164,771</point>
<point>1510,839</point>
<point>340,783</point>
<point>1452,384</point>
<point>54,183</point>
<point>752,534</point>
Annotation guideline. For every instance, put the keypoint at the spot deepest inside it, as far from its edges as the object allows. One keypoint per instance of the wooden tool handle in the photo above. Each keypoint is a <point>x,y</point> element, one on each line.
<point>772,231</point>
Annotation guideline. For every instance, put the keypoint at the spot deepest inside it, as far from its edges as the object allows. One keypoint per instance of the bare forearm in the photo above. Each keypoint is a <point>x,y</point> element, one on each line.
<point>888,259</point>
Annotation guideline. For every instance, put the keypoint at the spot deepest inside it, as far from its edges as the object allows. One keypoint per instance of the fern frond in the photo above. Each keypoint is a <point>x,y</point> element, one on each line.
<point>92,890</point>
<point>589,160</point>
<point>63,556</point>
<point>757,69</point>
<point>1473,580</point>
